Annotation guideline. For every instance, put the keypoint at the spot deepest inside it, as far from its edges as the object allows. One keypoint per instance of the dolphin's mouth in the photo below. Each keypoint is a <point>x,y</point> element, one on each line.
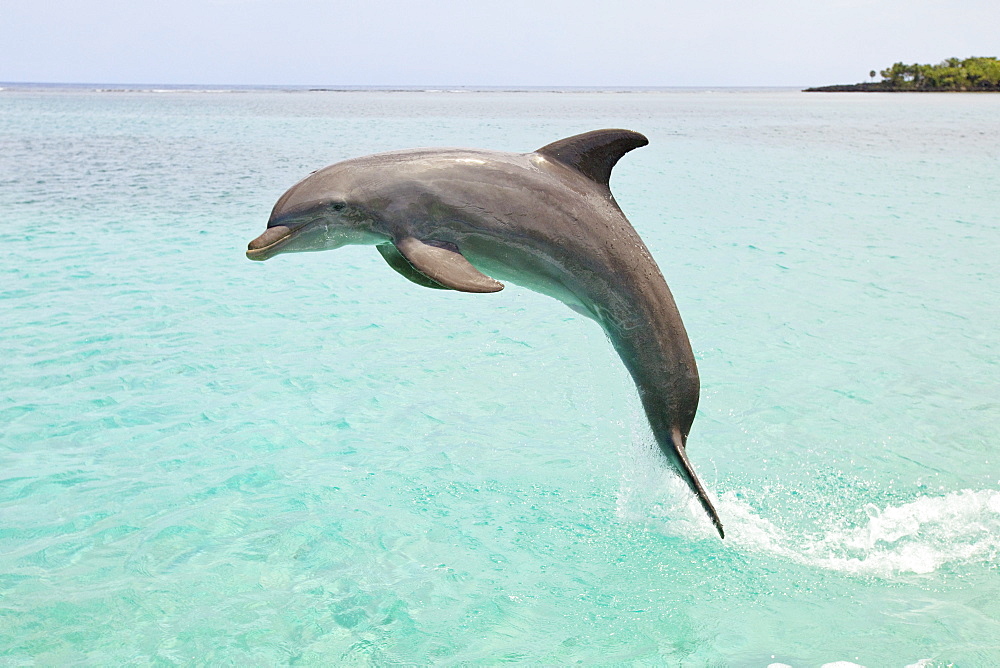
<point>268,244</point>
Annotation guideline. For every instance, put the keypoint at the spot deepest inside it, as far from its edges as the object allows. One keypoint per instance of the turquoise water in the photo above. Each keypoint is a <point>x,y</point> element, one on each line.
<point>205,460</point>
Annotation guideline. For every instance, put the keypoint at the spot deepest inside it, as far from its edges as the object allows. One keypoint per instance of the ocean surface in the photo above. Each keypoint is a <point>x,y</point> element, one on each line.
<point>210,461</point>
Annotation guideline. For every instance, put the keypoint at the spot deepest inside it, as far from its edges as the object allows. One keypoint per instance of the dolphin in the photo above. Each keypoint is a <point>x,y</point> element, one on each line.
<point>460,219</point>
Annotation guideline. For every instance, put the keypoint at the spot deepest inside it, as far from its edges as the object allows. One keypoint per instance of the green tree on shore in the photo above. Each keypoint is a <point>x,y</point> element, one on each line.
<point>953,74</point>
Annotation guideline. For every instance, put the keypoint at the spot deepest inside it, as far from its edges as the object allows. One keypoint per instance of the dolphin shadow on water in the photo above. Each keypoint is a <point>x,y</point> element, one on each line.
<point>460,219</point>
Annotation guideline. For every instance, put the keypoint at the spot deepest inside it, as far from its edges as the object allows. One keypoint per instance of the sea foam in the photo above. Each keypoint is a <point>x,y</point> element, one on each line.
<point>918,536</point>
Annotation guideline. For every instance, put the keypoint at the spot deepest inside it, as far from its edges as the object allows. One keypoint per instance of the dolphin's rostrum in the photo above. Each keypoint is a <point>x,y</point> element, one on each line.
<point>460,219</point>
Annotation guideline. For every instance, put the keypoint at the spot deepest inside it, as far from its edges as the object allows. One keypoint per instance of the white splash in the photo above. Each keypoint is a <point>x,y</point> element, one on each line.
<point>920,536</point>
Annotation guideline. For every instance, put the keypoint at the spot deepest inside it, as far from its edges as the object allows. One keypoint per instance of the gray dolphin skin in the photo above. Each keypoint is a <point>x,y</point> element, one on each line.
<point>465,219</point>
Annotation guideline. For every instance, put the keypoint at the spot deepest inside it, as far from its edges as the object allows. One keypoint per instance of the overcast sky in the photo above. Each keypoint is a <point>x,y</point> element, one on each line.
<point>485,42</point>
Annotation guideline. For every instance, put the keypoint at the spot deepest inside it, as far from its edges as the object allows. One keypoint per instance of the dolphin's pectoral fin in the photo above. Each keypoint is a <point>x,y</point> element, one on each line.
<point>442,263</point>
<point>405,269</point>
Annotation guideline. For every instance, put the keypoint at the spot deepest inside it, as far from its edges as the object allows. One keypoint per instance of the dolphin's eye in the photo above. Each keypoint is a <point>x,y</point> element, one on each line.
<point>338,206</point>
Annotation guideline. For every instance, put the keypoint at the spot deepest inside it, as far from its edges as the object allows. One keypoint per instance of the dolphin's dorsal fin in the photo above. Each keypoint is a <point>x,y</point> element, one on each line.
<point>594,153</point>
<point>442,263</point>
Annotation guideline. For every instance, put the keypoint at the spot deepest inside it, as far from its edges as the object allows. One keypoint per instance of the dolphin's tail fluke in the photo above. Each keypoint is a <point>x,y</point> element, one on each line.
<point>687,472</point>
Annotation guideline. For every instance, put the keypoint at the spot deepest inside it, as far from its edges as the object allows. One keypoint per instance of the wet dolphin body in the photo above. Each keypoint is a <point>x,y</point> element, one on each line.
<point>454,218</point>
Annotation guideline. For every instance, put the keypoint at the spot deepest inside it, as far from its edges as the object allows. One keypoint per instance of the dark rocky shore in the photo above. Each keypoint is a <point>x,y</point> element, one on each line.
<point>879,87</point>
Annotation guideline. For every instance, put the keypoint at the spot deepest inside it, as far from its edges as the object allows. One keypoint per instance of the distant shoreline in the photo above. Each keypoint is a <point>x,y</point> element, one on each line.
<point>952,75</point>
<point>884,87</point>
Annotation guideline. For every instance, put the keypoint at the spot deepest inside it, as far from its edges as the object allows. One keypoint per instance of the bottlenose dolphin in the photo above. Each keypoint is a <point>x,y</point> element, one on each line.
<point>452,218</point>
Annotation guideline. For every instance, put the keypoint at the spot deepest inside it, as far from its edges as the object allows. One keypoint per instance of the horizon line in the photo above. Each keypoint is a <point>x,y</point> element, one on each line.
<point>145,86</point>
